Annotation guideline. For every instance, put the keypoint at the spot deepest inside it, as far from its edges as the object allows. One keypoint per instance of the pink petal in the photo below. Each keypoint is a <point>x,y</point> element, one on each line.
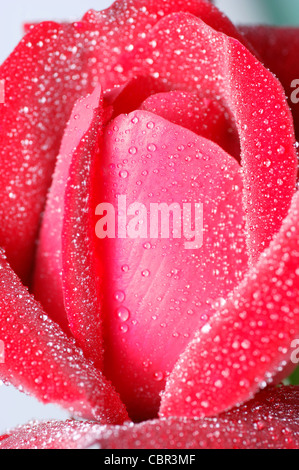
<point>216,66</point>
<point>202,116</point>
<point>48,272</point>
<point>156,291</point>
<point>268,422</point>
<point>82,274</point>
<point>278,48</point>
<point>249,341</point>
<point>42,361</point>
<point>66,275</point>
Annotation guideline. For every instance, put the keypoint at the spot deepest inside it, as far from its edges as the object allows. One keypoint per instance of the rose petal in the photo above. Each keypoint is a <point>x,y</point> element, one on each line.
<point>128,97</point>
<point>48,271</point>
<point>123,25</point>
<point>136,19</point>
<point>40,90</point>
<point>268,422</point>
<point>158,290</point>
<point>194,57</point>
<point>249,341</point>
<point>48,283</point>
<point>82,274</point>
<point>28,26</point>
<point>278,48</point>
<point>69,434</point>
<point>202,116</point>
<point>42,361</point>
<point>66,276</point>
<point>126,23</point>
<point>50,69</point>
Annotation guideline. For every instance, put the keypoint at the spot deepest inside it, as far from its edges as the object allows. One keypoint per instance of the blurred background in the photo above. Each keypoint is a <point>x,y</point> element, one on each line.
<point>16,408</point>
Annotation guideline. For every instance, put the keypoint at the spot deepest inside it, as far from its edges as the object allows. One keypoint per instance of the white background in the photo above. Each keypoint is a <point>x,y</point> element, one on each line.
<point>16,408</point>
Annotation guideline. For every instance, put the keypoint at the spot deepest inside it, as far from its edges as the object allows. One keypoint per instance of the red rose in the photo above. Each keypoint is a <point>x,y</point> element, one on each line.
<point>171,110</point>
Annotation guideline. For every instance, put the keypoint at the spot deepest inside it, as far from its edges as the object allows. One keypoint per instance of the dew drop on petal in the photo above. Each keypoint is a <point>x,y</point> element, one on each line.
<point>120,296</point>
<point>124,174</point>
<point>124,328</point>
<point>158,376</point>
<point>146,273</point>
<point>123,314</point>
<point>132,150</point>
<point>150,125</point>
<point>152,147</point>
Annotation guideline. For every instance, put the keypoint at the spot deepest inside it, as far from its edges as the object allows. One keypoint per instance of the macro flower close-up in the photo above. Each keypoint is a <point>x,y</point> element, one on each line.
<point>149,236</point>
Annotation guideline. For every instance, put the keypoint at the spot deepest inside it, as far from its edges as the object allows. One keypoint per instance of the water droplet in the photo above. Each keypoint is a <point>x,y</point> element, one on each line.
<point>152,148</point>
<point>244,383</point>
<point>206,328</point>
<point>158,376</point>
<point>281,150</point>
<point>120,296</point>
<point>118,68</point>
<point>124,328</point>
<point>259,425</point>
<point>125,268</point>
<point>123,313</point>
<point>218,384</point>
<point>150,125</point>
<point>123,174</point>
<point>146,273</point>
<point>246,344</point>
<point>205,404</point>
<point>132,150</point>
